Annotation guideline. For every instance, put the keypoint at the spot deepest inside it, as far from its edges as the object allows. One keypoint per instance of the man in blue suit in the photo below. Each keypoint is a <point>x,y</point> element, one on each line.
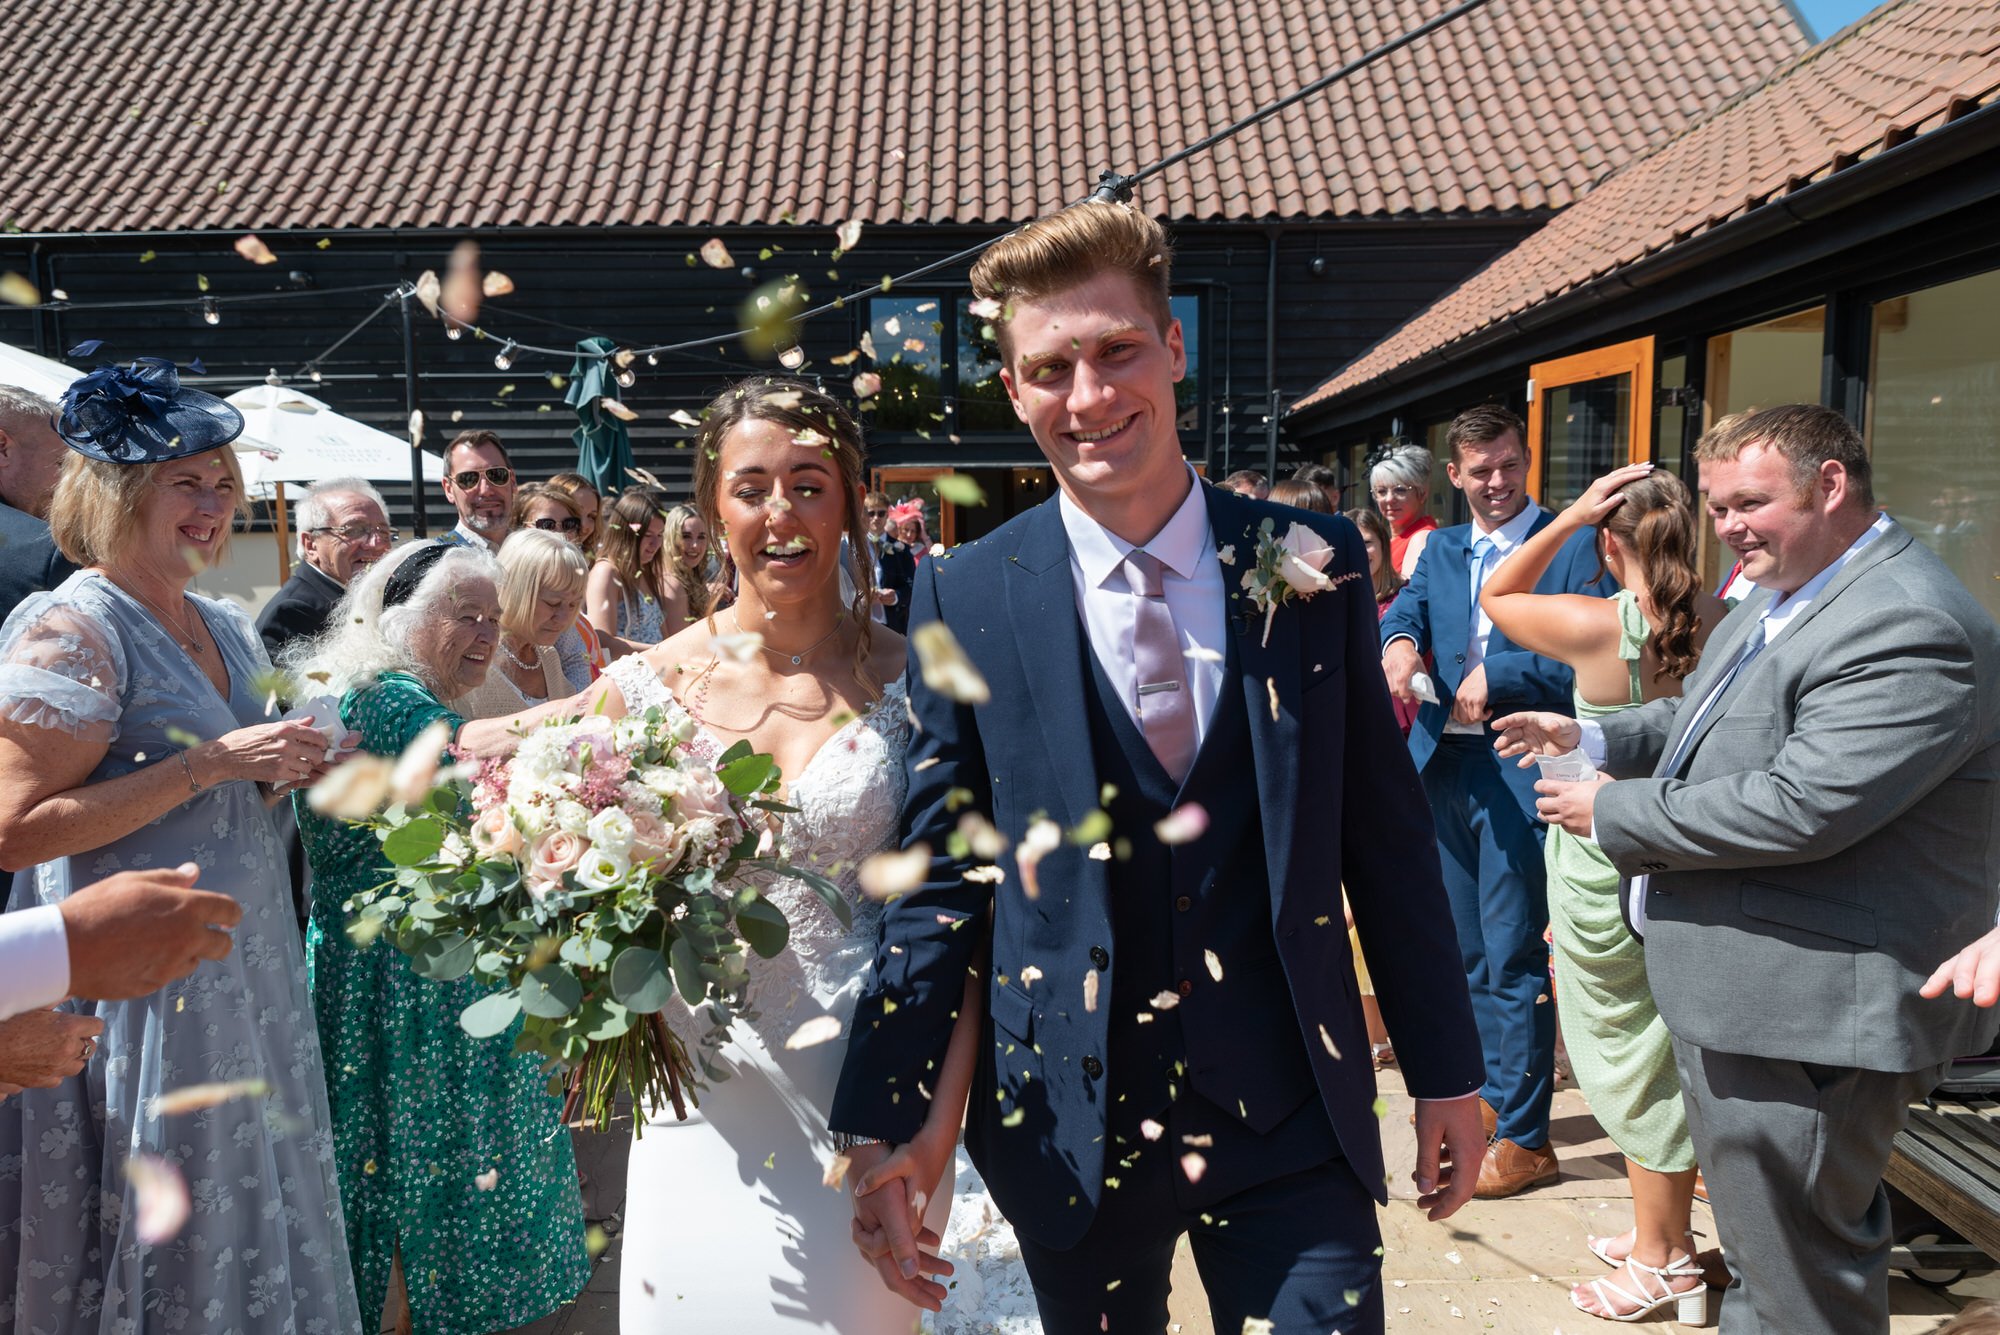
<point>1173,1042</point>
<point>1489,838</point>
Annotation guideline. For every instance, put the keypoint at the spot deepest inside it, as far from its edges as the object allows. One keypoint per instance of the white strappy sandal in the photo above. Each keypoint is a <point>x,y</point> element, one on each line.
<point>1691,1307</point>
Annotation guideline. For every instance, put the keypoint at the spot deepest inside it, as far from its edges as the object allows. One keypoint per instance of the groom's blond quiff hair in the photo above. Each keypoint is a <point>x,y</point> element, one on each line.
<point>1067,249</point>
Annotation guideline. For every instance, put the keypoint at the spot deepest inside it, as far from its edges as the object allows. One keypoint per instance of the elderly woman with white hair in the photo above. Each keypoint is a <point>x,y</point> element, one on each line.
<point>541,587</point>
<point>450,1148</point>
<point>133,734</point>
<point>1400,481</point>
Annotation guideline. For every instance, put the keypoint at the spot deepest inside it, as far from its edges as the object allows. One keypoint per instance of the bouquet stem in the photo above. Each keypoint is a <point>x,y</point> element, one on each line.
<point>648,1061</point>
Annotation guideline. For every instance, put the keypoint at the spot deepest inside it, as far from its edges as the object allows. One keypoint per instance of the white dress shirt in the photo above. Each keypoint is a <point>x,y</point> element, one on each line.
<point>1506,540</point>
<point>473,537</point>
<point>1194,593</point>
<point>34,959</point>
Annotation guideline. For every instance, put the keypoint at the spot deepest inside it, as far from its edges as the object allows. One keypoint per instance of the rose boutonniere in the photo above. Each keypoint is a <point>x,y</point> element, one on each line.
<point>1292,566</point>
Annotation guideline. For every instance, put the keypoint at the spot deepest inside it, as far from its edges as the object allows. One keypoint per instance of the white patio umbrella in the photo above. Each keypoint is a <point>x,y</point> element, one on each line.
<point>300,439</point>
<point>44,375</point>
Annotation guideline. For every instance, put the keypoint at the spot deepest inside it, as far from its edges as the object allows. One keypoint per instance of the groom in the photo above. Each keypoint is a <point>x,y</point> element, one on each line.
<point>1174,1041</point>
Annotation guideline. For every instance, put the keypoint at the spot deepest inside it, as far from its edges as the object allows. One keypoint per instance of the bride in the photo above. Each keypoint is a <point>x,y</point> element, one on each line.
<point>729,1223</point>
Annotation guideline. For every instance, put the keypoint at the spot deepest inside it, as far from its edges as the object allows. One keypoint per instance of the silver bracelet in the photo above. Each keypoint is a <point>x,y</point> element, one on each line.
<point>194,789</point>
<point>845,1142</point>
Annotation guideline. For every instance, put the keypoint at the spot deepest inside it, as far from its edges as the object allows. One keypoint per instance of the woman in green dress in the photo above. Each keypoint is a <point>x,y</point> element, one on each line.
<point>1633,647</point>
<point>451,1150</point>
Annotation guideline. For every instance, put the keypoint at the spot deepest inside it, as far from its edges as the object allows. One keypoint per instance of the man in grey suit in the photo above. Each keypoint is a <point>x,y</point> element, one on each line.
<point>1818,830</point>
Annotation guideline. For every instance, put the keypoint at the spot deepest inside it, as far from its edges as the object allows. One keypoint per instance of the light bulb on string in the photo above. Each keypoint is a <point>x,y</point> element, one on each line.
<point>505,357</point>
<point>792,358</point>
<point>626,377</point>
<point>210,311</point>
<point>314,373</point>
<point>453,331</point>
<point>652,359</point>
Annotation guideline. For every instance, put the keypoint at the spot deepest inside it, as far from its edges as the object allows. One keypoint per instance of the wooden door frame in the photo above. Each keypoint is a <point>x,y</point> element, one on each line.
<point>1633,358</point>
<point>880,478</point>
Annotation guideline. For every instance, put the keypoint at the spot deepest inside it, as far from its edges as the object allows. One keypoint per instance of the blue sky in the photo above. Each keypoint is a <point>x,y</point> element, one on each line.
<point>1828,17</point>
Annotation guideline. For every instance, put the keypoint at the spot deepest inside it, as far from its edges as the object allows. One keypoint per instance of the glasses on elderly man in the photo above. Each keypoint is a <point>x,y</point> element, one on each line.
<point>1402,491</point>
<point>469,479</point>
<point>568,524</point>
<point>358,532</point>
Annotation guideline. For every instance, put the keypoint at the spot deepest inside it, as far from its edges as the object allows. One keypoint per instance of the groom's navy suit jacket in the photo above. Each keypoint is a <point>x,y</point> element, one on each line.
<point>1307,784</point>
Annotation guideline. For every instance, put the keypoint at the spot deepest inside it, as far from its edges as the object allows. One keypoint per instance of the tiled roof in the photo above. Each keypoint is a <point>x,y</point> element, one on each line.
<point>1905,69</point>
<point>464,113</point>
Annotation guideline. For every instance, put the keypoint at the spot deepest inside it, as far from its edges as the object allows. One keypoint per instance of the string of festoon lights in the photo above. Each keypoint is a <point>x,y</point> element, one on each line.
<point>780,329</point>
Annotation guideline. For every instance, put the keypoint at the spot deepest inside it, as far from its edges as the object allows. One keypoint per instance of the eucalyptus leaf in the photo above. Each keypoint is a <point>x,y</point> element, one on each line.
<point>585,952</point>
<point>763,925</point>
<point>639,980</point>
<point>418,841</point>
<point>736,752</point>
<point>687,971</point>
<point>490,1015</point>
<point>603,1021</point>
<point>550,992</point>
<point>444,958</point>
<point>747,775</point>
<point>828,892</point>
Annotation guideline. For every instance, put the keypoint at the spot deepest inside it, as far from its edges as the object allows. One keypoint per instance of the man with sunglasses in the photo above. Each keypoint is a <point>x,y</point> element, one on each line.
<point>479,482</point>
<point>343,529</point>
<point>895,565</point>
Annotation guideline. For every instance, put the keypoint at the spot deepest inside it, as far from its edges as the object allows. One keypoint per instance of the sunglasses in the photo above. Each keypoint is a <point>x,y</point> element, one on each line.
<point>568,524</point>
<point>469,479</point>
<point>877,514</point>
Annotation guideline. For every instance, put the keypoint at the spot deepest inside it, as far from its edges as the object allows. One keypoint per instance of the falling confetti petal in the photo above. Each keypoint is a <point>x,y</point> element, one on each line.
<point>1151,1129</point>
<point>162,1195</point>
<point>18,291</point>
<point>355,789</point>
<point>866,385</point>
<point>1042,838</point>
<point>1214,963</point>
<point>496,284</point>
<point>986,308</point>
<point>716,255</point>
<point>487,1180</point>
<point>1090,986</point>
<point>1271,685</point>
<point>1194,1166</point>
<point>836,1171</point>
<point>1331,1048</point>
<point>946,669</point>
<point>618,409</point>
<point>848,234</point>
<point>1184,824</point>
<point>254,250</point>
<point>416,769</point>
<point>682,417</point>
<point>820,1029</point>
<point>1165,1001</point>
<point>886,875</point>
<point>462,292</point>
<point>1100,852</point>
<point>986,875</point>
<point>192,1098</point>
<point>740,647</point>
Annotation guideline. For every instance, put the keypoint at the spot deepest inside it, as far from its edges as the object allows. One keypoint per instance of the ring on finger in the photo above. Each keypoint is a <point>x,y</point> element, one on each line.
<point>89,1047</point>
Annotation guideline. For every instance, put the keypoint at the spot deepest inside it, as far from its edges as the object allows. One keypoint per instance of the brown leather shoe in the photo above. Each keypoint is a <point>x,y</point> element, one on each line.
<point>1489,1120</point>
<point>1508,1169</point>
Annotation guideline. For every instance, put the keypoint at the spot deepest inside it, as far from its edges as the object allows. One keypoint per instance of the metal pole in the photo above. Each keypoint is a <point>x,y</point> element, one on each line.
<point>413,404</point>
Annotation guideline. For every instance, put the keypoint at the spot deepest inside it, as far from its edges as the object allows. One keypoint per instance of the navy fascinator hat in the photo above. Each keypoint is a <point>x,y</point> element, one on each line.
<point>141,414</point>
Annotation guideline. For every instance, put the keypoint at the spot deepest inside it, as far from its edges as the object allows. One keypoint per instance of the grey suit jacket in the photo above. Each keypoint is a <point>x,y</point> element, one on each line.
<point>1834,833</point>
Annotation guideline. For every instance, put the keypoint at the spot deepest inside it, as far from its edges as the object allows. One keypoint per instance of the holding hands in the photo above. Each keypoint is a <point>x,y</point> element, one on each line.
<point>891,1185</point>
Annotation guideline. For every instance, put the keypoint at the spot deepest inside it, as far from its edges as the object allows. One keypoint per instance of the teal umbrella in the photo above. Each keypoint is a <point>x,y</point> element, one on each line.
<point>603,446</point>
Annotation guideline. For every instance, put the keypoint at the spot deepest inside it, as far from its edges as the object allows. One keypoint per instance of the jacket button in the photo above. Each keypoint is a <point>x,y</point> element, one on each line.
<point>1093,1067</point>
<point>1186,987</point>
<point>1100,957</point>
<point>1183,903</point>
<point>1458,658</point>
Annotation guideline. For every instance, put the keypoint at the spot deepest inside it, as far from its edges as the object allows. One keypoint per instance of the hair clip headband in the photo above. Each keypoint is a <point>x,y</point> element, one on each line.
<point>404,580</point>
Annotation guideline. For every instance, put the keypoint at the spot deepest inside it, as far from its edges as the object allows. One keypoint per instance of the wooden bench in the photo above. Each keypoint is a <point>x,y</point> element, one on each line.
<point>1947,1160</point>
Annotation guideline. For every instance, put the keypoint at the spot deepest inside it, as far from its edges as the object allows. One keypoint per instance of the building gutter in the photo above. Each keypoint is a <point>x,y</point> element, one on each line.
<point>1608,301</point>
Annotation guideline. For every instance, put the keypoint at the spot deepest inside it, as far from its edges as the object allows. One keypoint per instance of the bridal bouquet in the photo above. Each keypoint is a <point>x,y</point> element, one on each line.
<point>590,877</point>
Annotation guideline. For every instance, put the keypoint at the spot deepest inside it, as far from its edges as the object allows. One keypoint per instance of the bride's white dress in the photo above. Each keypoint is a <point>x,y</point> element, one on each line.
<point>728,1224</point>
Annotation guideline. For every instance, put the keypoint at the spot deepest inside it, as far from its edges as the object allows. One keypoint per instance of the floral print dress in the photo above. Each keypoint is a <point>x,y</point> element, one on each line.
<point>452,1150</point>
<point>262,1248</point>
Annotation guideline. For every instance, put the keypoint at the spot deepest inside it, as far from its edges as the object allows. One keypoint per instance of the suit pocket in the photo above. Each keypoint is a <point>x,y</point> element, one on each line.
<point>1745,721</point>
<point>1805,912</point>
<point>1013,1012</point>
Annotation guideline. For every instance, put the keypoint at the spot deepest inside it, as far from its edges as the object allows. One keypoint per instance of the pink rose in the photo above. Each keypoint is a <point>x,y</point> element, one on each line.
<point>494,835</point>
<point>654,841</point>
<point>556,852</point>
<point>1303,560</point>
<point>697,793</point>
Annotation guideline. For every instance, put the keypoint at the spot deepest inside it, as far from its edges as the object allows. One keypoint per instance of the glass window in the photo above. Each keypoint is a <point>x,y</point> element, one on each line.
<point>1670,428</point>
<point>1589,427</point>
<point>1934,423</point>
<point>1766,364</point>
<point>1187,394</point>
<point>907,333</point>
<point>1447,501</point>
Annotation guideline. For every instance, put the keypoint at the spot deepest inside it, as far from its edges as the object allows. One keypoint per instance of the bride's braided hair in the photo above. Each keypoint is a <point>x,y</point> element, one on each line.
<point>800,407</point>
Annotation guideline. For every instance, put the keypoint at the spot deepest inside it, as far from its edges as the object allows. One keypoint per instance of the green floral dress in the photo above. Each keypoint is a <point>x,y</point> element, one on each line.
<point>450,1148</point>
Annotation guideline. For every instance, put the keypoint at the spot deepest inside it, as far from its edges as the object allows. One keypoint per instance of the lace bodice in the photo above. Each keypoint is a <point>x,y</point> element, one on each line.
<point>849,798</point>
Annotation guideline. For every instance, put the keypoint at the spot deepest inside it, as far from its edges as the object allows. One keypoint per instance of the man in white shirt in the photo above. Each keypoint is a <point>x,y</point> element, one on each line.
<point>129,934</point>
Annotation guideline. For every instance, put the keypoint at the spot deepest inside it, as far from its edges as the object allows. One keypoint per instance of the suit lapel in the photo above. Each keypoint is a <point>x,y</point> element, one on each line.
<point>1048,635</point>
<point>1451,604</point>
<point>1269,679</point>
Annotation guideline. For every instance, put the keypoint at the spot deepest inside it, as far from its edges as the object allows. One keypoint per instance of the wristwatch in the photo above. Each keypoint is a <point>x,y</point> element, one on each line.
<point>845,1142</point>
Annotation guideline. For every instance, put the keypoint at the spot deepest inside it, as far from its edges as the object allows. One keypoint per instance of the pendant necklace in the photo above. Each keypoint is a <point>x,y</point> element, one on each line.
<point>800,657</point>
<point>177,629</point>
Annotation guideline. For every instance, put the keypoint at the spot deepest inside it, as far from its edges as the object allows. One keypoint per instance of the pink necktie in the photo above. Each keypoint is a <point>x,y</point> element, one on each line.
<point>1166,705</point>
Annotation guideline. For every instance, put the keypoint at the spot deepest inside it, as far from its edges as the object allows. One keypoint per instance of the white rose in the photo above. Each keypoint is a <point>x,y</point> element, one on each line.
<point>629,733</point>
<point>661,780</point>
<point>1303,556</point>
<point>602,869</point>
<point>455,850</point>
<point>572,816</point>
<point>680,725</point>
<point>611,830</point>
